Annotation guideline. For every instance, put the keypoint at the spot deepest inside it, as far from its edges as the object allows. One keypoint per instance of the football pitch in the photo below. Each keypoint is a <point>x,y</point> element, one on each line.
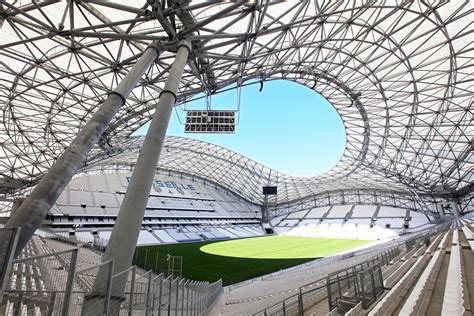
<point>240,259</point>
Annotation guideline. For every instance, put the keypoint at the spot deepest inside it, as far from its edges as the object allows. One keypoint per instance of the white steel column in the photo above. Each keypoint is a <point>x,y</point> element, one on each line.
<point>456,210</point>
<point>35,208</point>
<point>127,227</point>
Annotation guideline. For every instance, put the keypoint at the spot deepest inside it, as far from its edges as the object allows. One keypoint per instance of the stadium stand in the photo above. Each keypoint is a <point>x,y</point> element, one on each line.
<point>44,270</point>
<point>176,211</point>
<point>349,221</point>
<point>298,215</point>
<point>79,78</point>
<point>281,286</point>
<point>339,211</point>
<point>363,211</point>
<point>407,273</point>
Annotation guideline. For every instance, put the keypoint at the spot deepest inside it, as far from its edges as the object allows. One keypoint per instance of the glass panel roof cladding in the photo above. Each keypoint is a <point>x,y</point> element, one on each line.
<point>399,73</point>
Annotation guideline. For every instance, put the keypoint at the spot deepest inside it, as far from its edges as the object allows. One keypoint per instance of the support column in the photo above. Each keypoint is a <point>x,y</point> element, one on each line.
<point>456,210</point>
<point>16,205</point>
<point>264,210</point>
<point>127,227</point>
<point>440,208</point>
<point>35,208</point>
<point>2,11</point>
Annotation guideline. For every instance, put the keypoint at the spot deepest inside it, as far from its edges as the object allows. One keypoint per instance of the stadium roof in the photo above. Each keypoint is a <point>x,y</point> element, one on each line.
<point>399,73</point>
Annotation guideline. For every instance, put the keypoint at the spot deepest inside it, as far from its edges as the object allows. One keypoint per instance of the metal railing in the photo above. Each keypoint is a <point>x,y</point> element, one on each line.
<point>40,284</point>
<point>97,244</point>
<point>312,293</point>
<point>309,294</point>
<point>8,241</point>
<point>52,284</point>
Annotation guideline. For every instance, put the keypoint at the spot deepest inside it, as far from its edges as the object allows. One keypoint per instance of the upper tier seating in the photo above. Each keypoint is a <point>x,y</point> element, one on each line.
<point>181,232</point>
<point>349,231</point>
<point>363,211</point>
<point>417,219</point>
<point>317,212</point>
<point>382,217</point>
<point>339,211</point>
<point>102,194</point>
<point>386,211</point>
<point>298,215</point>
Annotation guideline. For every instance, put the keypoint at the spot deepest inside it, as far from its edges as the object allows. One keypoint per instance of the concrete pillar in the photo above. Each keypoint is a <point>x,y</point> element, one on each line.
<point>2,19</point>
<point>456,210</point>
<point>16,205</point>
<point>127,227</point>
<point>440,209</point>
<point>264,209</point>
<point>35,208</point>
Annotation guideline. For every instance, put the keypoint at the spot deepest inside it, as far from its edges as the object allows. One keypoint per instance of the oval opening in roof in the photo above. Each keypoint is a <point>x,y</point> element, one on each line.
<point>285,126</point>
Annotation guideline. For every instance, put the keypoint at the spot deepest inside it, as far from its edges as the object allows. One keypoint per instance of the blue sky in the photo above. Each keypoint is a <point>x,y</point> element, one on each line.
<point>287,127</point>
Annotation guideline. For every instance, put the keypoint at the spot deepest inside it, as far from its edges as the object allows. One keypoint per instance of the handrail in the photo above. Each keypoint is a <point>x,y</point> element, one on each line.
<point>396,243</point>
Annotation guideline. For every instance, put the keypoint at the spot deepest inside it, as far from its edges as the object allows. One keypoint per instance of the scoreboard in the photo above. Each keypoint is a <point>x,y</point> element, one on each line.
<point>210,121</point>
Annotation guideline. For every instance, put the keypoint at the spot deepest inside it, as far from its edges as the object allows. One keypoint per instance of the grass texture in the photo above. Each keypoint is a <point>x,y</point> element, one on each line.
<point>240,259</point>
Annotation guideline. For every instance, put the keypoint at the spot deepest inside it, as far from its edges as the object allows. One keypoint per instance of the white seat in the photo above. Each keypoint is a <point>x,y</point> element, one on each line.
<point>453,302</point>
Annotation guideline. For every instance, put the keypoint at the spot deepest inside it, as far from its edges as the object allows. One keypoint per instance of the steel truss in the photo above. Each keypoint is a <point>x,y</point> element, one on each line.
<point>398,73</point>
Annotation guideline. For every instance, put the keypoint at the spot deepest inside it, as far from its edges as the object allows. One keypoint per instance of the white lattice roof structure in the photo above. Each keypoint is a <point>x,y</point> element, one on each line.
<point>399,73</point>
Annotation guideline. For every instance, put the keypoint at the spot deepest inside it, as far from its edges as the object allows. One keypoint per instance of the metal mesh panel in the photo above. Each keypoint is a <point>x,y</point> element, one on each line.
<point>370,285</point>
<point>49,285</point>
<point>173,295</point>
<point>276,310</point>
<point>360,283</point>
<point>342,284</point>
<point>8,240</point>
<point>156,290</point>
<point>137,291</point>
<point>166,294</point>
<point>40,284</point>
<point>292,306</point>
<point>312,294</point>
<point>410,243</point>
<point>215,290</point>
<point>92,294</point>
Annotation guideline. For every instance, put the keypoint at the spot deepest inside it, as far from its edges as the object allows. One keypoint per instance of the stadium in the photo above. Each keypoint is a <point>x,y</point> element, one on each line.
<point>97,220</point>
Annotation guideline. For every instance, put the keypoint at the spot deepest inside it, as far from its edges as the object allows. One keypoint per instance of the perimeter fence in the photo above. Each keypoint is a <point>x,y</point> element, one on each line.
<point>312,293</point>
<point>55,284</point>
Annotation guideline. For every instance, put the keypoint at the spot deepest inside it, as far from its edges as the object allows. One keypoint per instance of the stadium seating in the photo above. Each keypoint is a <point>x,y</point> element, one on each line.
<point>416,269</point>
<point>177,211</point>
<point>391,212</point>
<point>273,288</point>
<point>173,197</point>
<point>453,302</point>
<point>417,219</point>
<point>350,221</point>
<point>184,217</point>
<point>317,212</point>
<point>163,236</point>
<point>39,277</point>
<point>333,228</point>
<point>298,215</point>
<point>363,211</point>
<point>423,289</point>
<point>339,211</point>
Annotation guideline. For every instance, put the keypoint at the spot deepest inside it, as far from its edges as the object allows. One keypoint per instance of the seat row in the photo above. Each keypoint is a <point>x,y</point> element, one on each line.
<point>413,282</point>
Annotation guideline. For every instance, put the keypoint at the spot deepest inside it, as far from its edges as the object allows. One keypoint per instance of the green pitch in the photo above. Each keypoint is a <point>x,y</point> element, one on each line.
<point>241,259</point>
